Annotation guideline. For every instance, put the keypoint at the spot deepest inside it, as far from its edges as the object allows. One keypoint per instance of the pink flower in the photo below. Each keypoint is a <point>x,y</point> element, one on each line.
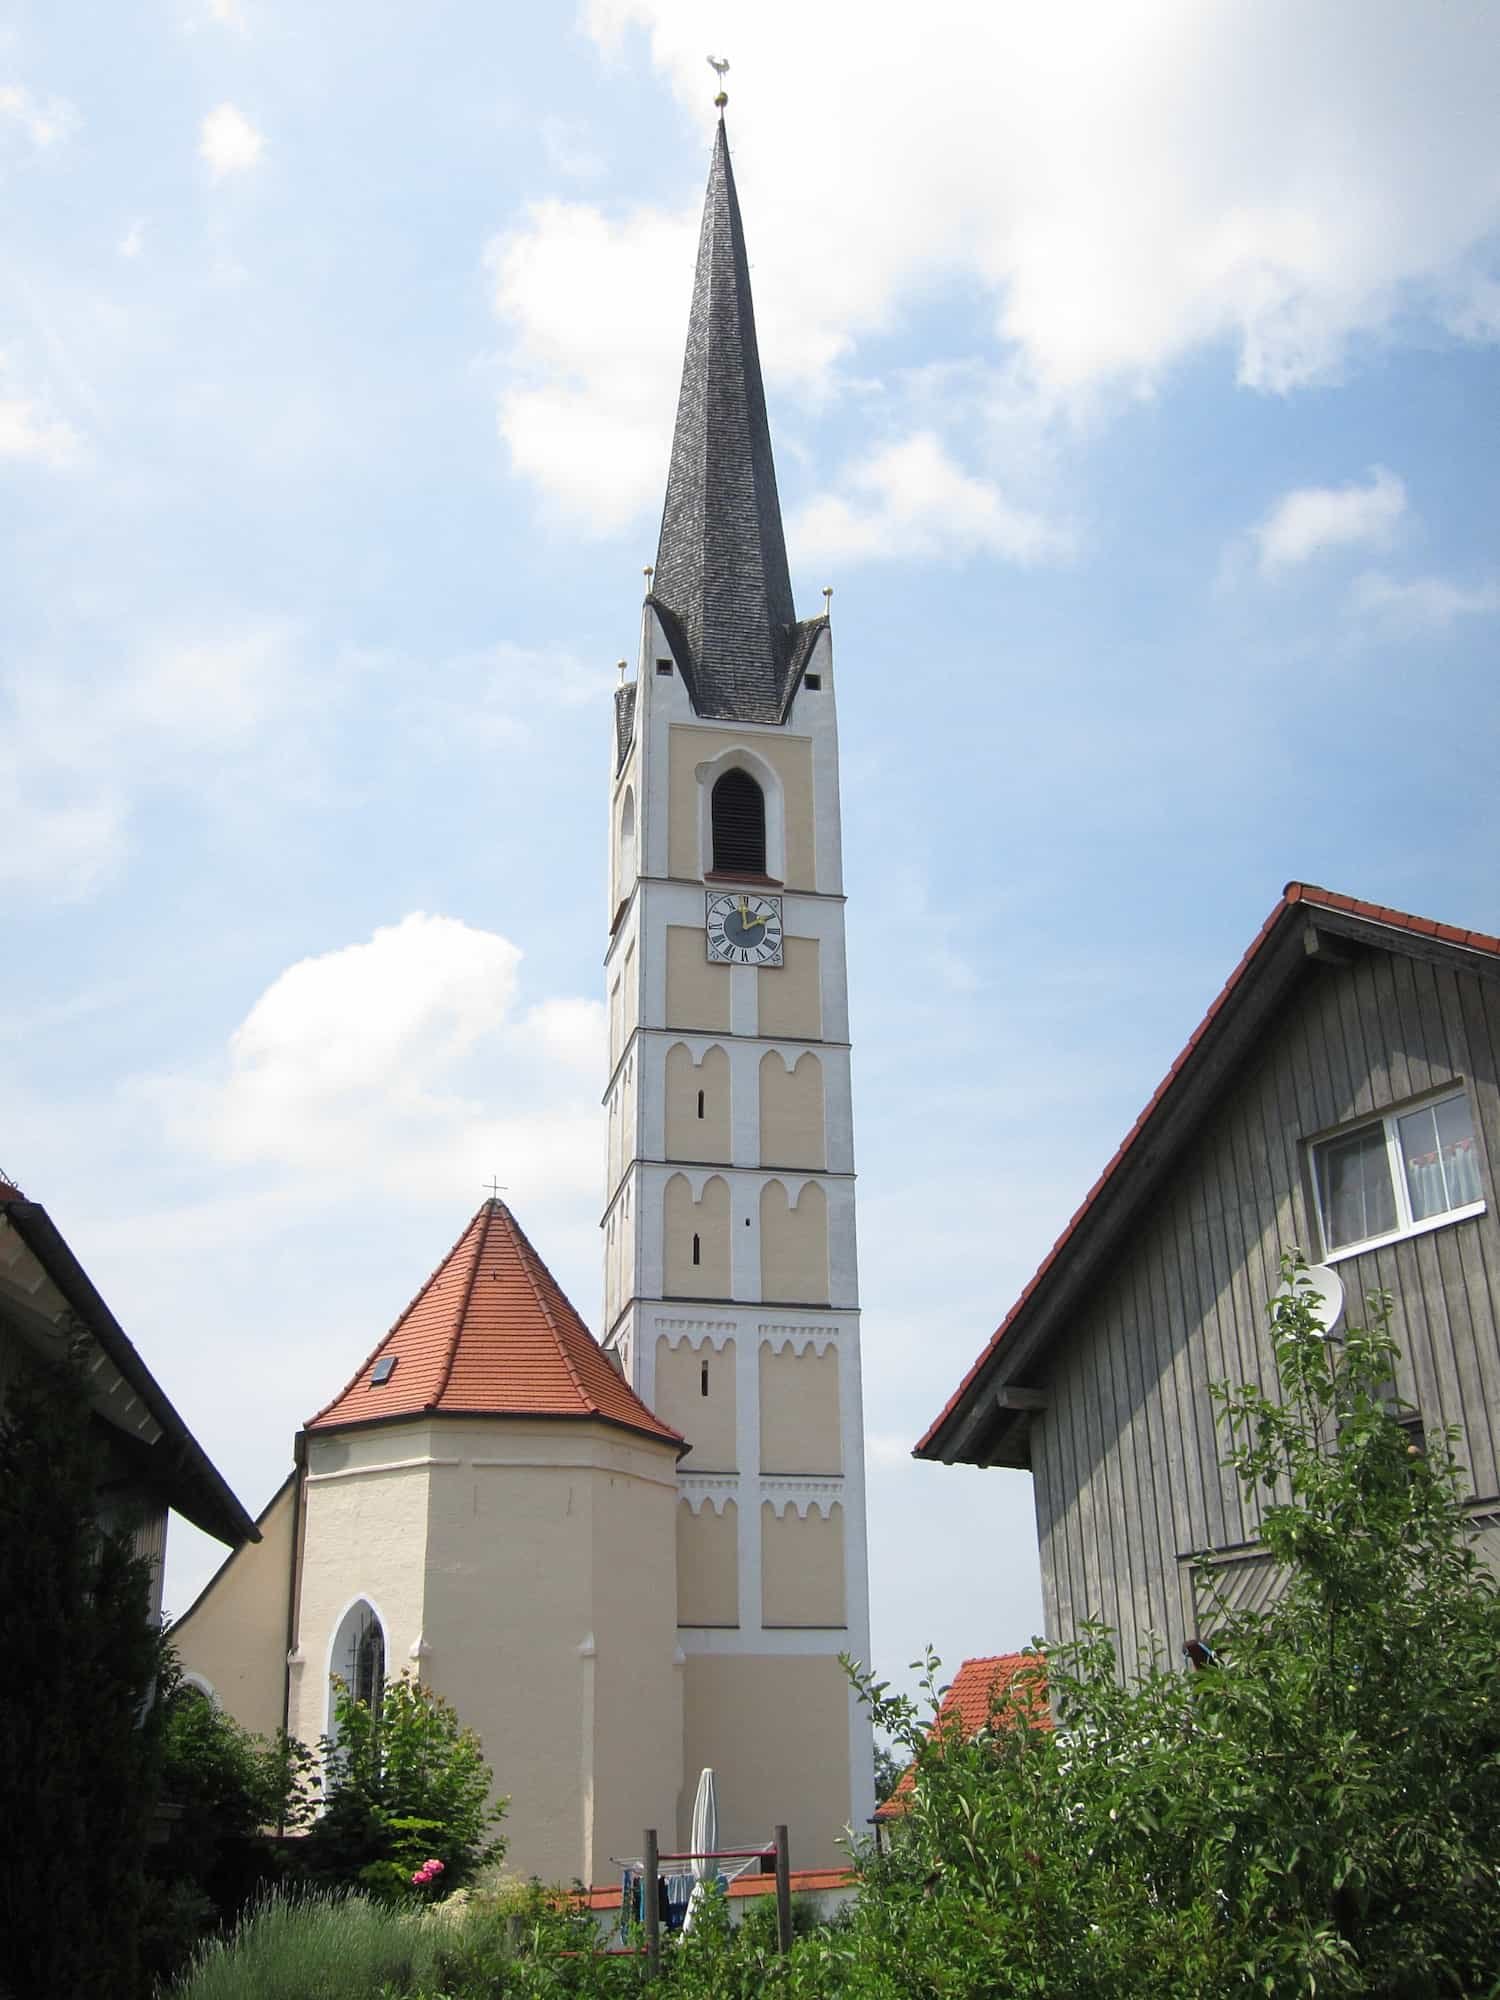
<point>433,1866</point>
<point>419,1878</point>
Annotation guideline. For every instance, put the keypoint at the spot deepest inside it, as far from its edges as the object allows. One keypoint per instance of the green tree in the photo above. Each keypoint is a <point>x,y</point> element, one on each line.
<point>403,1782</point>
<point>1316,1812</point>
<point>78,1738</point>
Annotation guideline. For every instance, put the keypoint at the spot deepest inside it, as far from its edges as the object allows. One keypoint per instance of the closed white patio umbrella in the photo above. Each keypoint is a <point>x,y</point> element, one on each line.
<point>705,1837</point>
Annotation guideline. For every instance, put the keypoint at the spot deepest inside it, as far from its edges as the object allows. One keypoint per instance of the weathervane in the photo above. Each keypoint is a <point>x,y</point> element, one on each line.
<point>720,70</point>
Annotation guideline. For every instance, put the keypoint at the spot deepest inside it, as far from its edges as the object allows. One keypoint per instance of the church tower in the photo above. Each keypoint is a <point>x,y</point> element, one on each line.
<point>731,1298</point>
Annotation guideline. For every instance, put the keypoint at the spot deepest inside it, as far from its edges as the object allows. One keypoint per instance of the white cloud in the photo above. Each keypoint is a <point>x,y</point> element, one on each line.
<point>227,13</point>
<point>911,501</point>
<point>134,238</point>
<point>228,142</point>
<point>587,413</point>
<point>1422,603</point>
<point>76,754</point>
<point>43,123</point>
<point>1314,519</point>
<point>1122,186</point>
<point>28,430</point>
<point>379,1066</point>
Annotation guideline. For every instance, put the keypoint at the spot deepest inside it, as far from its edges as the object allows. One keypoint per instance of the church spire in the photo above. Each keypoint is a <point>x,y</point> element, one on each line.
<point>721,586</point>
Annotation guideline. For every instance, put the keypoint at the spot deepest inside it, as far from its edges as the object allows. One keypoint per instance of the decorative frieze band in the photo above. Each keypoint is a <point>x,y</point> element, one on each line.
<point>708,1489</point>
<point>800,1494</point>
<point>694,1331</point>
<point>798,1338</point>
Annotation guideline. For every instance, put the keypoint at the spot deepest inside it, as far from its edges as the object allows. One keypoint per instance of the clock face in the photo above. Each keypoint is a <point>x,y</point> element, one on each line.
<point>744,928</point>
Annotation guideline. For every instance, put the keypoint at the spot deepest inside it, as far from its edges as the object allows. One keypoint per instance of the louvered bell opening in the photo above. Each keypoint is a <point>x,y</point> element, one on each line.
<point>739,825</point>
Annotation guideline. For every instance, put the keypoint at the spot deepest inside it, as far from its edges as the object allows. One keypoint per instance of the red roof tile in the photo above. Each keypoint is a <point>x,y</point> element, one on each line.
<point>980,1688</point>
<point>805,1882</point>
<point>492,1334</point>
<point>9,1191</point>
<point>1293,893</point>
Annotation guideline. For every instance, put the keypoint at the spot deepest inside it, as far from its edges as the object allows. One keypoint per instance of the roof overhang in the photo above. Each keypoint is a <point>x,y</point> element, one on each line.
<point>124,1392</point>
<point>988,1419</point>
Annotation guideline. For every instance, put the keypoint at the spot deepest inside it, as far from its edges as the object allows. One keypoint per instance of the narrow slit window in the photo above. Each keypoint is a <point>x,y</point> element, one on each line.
<point>703,1381</point>
<point>697,1251</point>
<point>738,812</point>
<point>700,1103</point>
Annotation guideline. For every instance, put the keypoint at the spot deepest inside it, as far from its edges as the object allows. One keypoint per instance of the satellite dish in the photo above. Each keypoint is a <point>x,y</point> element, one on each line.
<point>1323,1290</point>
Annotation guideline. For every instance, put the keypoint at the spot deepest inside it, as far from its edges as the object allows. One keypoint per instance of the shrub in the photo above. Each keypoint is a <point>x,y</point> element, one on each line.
<point>403,1783</point>
<point>317,1946</point>
<point>78,1742</point>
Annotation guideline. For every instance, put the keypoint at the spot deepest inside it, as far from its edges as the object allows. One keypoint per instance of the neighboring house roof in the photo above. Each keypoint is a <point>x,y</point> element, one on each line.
<point>721,585</point>
<point>980,1687</point>
<point>1307,924</point>
<point>491,1334</point>
<point>124,1392</point>
<point>805,1882</point>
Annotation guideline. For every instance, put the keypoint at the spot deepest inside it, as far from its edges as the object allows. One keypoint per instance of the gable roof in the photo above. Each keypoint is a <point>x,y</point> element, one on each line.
<point>51,1296</point>
<point>972,1427</point>
<point>721,588</point>
<point>980,1688</point>
<point>491,1334</point>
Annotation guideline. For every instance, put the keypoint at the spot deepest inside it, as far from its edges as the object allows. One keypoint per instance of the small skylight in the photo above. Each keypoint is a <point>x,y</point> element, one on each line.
<point>384,1369</point>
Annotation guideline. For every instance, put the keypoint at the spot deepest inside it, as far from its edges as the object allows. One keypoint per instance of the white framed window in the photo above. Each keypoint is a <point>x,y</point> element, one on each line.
<point>1397,1175</point>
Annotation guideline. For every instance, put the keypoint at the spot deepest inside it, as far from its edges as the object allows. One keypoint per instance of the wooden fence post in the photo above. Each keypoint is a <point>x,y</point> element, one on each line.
<point>650,1903</point>
<point>783,1893</point>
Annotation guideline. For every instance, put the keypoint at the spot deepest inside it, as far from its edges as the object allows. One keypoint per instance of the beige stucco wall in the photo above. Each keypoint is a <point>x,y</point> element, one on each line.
<point>235,1635</point>
<point>790,757</point>
<point>706,1421</point>
<point>790,999</point>
<point>551,1626</point>
<point>708,1565</point>
<point>794,1244</point>
<point>365,1535</point>
<point>802,1566</point>
<point>791,1111</point>
<point>799,1411</point>
<point>697,992</point>
<point>690,1137</point>
<point>708,1220</point>
<point>776,1731</point>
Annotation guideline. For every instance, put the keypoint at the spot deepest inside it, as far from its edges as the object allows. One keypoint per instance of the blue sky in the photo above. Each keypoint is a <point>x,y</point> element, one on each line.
<point>1134,374</point>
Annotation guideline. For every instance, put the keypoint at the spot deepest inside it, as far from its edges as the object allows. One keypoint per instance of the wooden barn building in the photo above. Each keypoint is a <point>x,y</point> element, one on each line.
<point>1339,1096</point>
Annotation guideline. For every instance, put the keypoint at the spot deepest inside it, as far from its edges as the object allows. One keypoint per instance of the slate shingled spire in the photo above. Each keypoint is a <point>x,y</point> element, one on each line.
<point>721,586</point>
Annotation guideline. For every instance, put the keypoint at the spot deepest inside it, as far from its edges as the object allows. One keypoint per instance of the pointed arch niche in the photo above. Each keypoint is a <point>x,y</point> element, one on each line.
<point>802,1565</point>
<point>697,1110</point>
<point>791,1111</point>
<point>357,1656</point>
<point>695,1247</point>
<point>794,1244</point>
<point>625,852</point>
<point>708,1563</point>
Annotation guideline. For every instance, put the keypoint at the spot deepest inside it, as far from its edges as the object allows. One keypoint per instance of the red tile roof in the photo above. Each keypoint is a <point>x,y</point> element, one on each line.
<point>805,1882</point>
<point>1293,894</point>
<point>980,1688</point>
<point>492,1334</point>
<point>9,1191</point>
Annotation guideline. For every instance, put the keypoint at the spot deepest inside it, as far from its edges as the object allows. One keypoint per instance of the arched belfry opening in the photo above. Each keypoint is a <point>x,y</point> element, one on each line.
<point>738,817</point>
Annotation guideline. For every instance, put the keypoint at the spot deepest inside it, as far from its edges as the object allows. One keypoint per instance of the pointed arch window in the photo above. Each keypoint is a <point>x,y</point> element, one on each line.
<point>738,816</point>
<point>359,1655</point>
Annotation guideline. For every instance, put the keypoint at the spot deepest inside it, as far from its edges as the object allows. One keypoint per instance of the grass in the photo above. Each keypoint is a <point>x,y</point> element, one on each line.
<point>314,1947</point>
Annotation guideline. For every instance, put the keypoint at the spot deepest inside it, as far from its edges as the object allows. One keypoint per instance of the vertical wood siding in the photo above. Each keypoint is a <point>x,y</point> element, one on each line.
<point>1127,1455</point>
